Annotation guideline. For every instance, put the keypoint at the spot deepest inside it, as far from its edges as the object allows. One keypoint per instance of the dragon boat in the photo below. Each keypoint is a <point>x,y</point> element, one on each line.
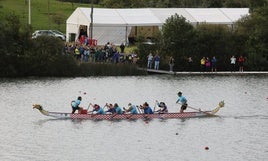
<point>85,115</point>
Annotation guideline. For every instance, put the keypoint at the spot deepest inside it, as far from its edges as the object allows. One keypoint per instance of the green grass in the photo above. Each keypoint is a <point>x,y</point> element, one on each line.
<point>42,12</point>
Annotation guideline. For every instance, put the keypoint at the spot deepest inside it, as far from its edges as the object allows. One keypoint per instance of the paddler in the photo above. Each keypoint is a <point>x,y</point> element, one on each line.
<point>111,108</point>
<point>146,108</point>
<point>131,109</point>
<point>183,101</point>
<point>98,109</point>
<point>118,109</point>
<point>163,107</point>
<point>75,104</point>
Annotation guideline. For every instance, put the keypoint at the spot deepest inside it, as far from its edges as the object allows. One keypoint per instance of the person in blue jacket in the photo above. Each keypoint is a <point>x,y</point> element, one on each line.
<point>131,109</point>
<point>183,101</point>
<point>75,104</point>
<point>98,109</point>
<point>146,108</point>
<point>118,109</point>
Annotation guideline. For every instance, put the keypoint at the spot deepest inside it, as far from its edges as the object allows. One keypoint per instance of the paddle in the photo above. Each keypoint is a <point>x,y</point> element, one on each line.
<point>104,106</point>
<point>139,110</point>
<point>198,110</point>
<point>155,104</point>
<point>90,104</point>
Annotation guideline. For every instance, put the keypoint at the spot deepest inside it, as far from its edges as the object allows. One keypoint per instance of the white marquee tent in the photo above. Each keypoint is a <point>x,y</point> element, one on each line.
<point>114,25</point>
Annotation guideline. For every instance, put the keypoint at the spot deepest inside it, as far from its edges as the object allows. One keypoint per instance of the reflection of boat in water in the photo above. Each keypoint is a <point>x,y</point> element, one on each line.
<point>85,115</point>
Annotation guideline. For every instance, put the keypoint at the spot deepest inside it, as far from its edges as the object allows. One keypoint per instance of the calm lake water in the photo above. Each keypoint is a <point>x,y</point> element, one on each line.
<point>239,134</point>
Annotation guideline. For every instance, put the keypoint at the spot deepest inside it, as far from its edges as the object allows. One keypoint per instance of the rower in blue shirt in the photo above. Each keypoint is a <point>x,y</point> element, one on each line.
<point>98,109</point>
<point>146,108</point>
<point>118,109</point>
<point>183,101</point>
<point>131,109</point>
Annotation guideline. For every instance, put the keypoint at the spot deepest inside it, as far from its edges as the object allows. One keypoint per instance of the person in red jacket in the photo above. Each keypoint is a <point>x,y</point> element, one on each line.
<point>241,61</point>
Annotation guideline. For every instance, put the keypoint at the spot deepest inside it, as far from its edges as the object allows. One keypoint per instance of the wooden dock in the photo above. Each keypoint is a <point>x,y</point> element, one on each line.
<point>152,71</point>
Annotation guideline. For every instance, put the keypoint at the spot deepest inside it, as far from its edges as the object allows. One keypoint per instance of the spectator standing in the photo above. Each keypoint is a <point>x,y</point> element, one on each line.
<point>156,62</point>
<point>122,47</point>
<point>86,54</point>
<point>77,53</point>
<point>233,61</point>
<point>203,64</point>
<point>171,64</point>
<point>116,57</point>
<point>150,60</point>
<point>190,63</point>
<point>208,64</point>
<point>81,50</point>
<point>214,64</point>
<point>93,54</point>
<point>241,61</point>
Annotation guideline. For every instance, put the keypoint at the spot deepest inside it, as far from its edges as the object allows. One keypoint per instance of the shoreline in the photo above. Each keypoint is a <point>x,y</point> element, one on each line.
<point>152,71</point>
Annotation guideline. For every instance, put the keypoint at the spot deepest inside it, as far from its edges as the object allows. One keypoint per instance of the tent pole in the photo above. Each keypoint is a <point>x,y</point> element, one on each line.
<point>91,21</point>
<point>126,37</point>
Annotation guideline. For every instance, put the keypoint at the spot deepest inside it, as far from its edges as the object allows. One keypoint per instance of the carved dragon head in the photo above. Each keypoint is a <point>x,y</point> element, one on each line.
<point>221,104</point>
<point>37,106</point>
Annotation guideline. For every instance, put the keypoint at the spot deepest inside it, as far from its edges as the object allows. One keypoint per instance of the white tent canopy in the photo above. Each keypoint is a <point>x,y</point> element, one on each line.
<point>139,17</point>
<point>114,25</point>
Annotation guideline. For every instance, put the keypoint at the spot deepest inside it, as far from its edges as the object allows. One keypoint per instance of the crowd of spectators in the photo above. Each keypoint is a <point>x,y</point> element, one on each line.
<point>108,53</point>
<point>208,65</point>
<point>86,50</point>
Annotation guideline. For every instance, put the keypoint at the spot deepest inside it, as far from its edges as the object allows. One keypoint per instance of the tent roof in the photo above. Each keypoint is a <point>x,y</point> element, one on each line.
<point>208,15</point>
<point>139,17</point>
<point>154,16</point>
<point>235,14</point>
<point>103,16</point>
<point>164,13</point>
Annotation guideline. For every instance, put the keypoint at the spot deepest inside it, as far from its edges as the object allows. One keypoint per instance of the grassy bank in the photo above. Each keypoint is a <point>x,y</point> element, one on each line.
<point>43,12</point>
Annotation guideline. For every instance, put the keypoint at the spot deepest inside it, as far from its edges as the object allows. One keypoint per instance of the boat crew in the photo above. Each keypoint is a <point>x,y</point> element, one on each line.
<point>98,109</point>
<point>118,109</point>
<point>146,108</point>
<point>183,101</point>
<point>131,109</point>
<point>163,107</point>
<point>75,104</point>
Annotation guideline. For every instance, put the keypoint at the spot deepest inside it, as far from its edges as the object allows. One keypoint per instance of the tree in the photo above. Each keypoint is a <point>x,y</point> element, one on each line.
<point>255,28</point>
<point>124,3</point>
<point>236,3</point>
<point>178,38</point>
<point>213,3</point>
<point>14,41</point>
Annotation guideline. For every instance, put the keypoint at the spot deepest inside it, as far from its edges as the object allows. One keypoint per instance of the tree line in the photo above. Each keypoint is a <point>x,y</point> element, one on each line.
<point>180,39</point>
<point>175,4</point>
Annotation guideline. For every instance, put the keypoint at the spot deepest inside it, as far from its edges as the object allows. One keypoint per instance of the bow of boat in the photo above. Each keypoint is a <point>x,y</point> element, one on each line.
<point>59,115</point>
